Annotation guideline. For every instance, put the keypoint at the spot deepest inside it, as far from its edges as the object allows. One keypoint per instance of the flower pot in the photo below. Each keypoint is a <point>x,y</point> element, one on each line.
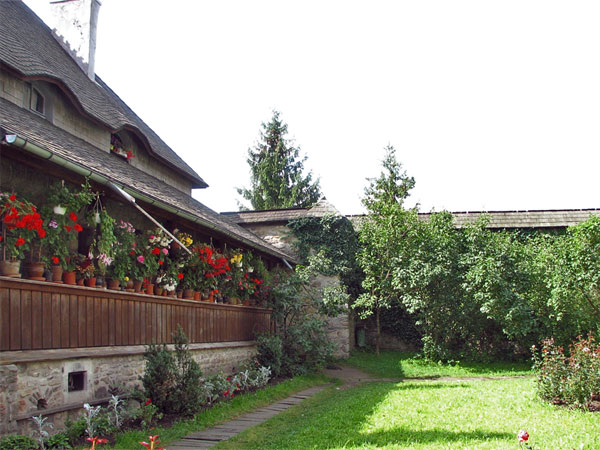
<point>10,269</point>
<point>171,294</point>
<point>188,294</point>
<point>90,282</point>
<point>179,293</point>
<point>59,210</point>
<point>57,273</point>
<point>69,278</point>
<point>137,285</point>
<point>100,282</point>
<point>80,282</point>
<point>150,289</point>
<point>114,284</point>
<point>211,297</point>
<point>158,290</point>
<point>129,286</point>
<point>35,271</point>
<point>246,303</point>
<point>197,295</point>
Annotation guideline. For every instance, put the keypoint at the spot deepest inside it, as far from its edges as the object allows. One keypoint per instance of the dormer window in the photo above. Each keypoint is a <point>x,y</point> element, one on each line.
<point>37,101</point>
<point>116,147</point>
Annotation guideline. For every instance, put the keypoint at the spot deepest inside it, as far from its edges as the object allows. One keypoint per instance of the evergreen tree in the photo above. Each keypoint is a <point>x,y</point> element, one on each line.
<point>277,172</point>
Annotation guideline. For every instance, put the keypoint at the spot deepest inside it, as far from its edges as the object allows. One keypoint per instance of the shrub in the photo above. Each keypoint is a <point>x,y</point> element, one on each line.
<point>58,441</point>
<point>306,347</point>
<point>573,380</point>
<point>270,352</point>
<point>18,442</point>
<point>173,381</point>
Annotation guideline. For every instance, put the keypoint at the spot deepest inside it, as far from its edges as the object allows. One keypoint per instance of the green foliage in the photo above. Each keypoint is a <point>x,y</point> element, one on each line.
<point>18,442</point>
<point>270,352</point>
<point>75,429</point>
<point>572,380</point>
<point>173,381</point>
<point>58,441</point>
<point>276,172</point>
<point>298,324</point>
<point>334,238</point>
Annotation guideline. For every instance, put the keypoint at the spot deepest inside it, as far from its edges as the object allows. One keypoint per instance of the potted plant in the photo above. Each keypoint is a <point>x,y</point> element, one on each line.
<point>124,244</point>
<point>103,245</point>
<point>86,272</point>
<point>63,199</point>
<point>22,229</point>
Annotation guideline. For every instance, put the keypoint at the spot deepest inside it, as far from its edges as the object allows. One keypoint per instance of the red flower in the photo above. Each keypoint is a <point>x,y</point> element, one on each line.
<point>132,252</point>
<point>160,262</point>
<point>41,232</point>
<point>148,401</point>
<point>12,198</point>
<point>78,228</point>
<point>68,228</point>
<point>0,238</point>
<point>180,276</point>
<point>20,242</point>
<point>156,251</point>
<point>523,436</point>
<point>55,260</point>
<point>73,217</point>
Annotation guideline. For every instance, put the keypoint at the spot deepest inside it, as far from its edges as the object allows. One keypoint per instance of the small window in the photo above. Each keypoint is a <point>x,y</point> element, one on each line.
<point>76,381</point>
<point>37,101</point>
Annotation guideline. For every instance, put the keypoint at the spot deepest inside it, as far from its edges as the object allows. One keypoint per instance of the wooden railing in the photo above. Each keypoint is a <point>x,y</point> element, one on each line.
<point>39,315</point>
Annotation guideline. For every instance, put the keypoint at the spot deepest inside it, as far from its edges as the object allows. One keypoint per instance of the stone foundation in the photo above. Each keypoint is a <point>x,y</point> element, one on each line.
<point>58,383</point>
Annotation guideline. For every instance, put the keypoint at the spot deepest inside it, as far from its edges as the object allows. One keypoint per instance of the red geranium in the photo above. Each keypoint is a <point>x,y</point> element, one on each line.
<point>73,217</point>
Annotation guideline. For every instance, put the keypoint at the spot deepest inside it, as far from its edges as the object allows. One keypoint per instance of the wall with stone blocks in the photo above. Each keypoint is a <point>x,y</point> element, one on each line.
<point>30,386</point>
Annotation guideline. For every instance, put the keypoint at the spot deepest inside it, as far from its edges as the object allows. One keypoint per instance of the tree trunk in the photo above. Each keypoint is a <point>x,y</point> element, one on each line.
<point>378,332</point>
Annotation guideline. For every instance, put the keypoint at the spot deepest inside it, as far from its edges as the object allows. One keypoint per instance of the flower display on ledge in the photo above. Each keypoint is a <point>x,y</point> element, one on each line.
<point>116,147</point>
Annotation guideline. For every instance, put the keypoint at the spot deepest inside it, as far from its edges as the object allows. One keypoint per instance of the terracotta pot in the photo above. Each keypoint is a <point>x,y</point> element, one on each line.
<point>164,293</point>
<point>188,294</point>
<point>35,271</point>
<point>90,282</point>
<point>171,294</point>
<point>179,293</point>
<point>57,273</point>
<point>80,282</point>
<point>10,269</point>
<point>69,278</point>
<point>101,282</point>
<point>114,284</point>
<point>137,285</point>
<point>211,297</point>
<point>197,295</point>
<point>158,290</point>
<point>150,289</point>
<point>246,303</point>
<point>128,286</point>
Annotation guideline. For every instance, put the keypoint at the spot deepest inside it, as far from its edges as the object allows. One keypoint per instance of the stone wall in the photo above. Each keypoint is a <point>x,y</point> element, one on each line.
<point>34,382</point>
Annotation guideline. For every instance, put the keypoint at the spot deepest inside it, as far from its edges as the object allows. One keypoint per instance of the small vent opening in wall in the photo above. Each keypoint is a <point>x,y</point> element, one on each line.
<point>77,381</point>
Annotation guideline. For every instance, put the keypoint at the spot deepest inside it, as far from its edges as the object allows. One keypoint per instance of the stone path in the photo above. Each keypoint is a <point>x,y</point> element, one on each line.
<point>212,436</point>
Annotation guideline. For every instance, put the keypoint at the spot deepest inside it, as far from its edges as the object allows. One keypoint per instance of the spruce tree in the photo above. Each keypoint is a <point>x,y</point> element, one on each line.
<point>277,172</point>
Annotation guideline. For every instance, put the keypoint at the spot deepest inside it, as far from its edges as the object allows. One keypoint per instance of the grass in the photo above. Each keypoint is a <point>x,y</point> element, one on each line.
<point>406,365</point>
<point>221,412</point>
<point>424,415</point>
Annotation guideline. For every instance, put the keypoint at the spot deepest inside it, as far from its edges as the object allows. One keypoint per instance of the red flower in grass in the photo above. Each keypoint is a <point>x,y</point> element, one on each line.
<point>153,441</point>
<point>78,228</point>
<point>523,436</point>
<point>94,441</point>
<point>73,217</point>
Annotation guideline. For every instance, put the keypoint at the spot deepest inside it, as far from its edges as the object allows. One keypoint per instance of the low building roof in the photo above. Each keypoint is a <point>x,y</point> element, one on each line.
<point>42,133</point>
<point>31,50</point>
<point>271,216</point>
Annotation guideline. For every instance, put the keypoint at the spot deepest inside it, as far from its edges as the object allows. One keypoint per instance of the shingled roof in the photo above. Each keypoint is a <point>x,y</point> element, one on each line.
<point>553,218</point>
<point>536,219</point>
<point>42,133</point>
<point>321,208</point>
<point>30,49</point>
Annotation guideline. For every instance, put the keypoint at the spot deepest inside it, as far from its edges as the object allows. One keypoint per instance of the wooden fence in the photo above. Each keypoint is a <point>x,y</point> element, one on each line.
<point>38,315</point>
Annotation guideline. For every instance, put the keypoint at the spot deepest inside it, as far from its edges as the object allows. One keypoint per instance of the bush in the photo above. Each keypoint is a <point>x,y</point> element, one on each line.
<point>573,380</point>
<point>270,352</point>
<point>306,347</point>
<point>58,441</point>
<point>18,442</point>
<point>173,381</point>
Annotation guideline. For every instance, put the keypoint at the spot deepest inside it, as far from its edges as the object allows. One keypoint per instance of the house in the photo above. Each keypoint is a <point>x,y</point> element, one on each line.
<point>62,346</point>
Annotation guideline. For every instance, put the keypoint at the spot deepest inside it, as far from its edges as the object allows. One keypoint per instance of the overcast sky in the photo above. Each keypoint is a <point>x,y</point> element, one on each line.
<point>490,105</point>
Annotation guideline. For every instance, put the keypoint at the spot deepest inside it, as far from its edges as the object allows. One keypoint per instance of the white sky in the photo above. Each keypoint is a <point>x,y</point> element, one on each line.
<point>490,105</point>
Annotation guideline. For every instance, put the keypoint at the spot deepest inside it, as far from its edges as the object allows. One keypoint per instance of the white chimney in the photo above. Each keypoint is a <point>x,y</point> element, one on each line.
<point>76,21</point>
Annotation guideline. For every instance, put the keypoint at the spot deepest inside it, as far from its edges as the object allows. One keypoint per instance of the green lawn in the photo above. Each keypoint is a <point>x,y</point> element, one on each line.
<point>222,411</point>
<point>406,365</point>
<point>482,414</point>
